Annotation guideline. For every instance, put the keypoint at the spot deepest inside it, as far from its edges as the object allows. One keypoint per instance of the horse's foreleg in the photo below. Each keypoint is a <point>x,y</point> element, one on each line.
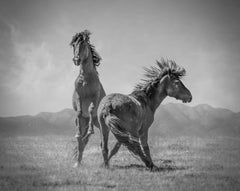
<point>104,132</point>
<point>90,123</point>
<point>149,163</point>
<point>114,150</point>
<point>146,151</point>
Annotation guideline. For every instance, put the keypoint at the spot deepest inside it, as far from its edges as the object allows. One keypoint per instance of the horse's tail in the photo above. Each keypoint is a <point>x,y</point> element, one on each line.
<point>123,136</point>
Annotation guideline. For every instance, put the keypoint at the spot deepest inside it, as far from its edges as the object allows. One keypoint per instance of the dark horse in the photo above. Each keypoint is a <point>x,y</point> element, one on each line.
<point>130,116</point>
<point>88,89</point>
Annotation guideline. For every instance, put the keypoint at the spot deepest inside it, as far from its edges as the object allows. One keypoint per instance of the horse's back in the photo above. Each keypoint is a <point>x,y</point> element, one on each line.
<point>115,102</point>
<point>122,106</point>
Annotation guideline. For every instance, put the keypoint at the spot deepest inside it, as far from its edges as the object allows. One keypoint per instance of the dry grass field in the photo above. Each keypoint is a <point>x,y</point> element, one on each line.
<point>187,163</point>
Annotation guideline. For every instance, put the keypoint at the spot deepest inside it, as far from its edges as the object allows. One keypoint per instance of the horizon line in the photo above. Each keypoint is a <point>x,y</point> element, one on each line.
<point>187,105</point>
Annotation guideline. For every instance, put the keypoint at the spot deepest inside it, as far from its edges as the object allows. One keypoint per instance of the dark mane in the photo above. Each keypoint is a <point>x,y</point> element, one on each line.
<point>95,56</point>
<point>84,36</point>
<point>154,74</point>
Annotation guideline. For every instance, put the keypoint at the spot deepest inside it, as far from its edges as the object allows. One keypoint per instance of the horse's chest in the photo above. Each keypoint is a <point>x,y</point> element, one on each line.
<point>87,89</point>
<point>88,93</point>
<point>148,117</point>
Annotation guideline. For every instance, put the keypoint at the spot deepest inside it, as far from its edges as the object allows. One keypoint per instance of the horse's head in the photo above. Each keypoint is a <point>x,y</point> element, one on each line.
<point>175,88</point>
<point>81,47</point>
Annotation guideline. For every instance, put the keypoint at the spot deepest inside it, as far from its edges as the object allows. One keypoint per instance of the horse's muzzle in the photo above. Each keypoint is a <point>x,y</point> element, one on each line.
<point>187,99</point>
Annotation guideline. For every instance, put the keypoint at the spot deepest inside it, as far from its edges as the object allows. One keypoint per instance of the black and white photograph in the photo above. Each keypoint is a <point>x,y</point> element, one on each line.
<point>120,95</point>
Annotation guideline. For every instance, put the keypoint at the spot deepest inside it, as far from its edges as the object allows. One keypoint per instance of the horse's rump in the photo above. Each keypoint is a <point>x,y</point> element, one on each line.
<point>122,135</point>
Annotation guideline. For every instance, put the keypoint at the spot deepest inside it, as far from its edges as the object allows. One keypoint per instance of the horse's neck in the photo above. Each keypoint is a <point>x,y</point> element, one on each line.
<point>157,98</point>
<point>87,69</point>
<point>152,101</point>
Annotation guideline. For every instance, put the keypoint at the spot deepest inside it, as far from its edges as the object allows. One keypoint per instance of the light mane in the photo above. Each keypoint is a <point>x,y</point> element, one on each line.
<point>154,74</point>
<point>84,36</point>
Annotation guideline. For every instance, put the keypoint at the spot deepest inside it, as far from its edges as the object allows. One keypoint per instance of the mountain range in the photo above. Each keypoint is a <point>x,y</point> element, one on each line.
<point>170,120</point>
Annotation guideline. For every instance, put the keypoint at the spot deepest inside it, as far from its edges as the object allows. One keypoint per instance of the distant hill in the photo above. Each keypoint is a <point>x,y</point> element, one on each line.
<point>170,120</point>
<point>44,123</point>
<point>201,120</point>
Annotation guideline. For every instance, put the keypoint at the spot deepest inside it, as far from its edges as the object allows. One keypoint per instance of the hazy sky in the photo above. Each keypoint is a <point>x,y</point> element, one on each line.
<point>36,68</point>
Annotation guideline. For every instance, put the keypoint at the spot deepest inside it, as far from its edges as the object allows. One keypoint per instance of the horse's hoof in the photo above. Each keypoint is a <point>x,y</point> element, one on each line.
<point>154,168</point>
<point>76,165</point>
<point>103,165</point>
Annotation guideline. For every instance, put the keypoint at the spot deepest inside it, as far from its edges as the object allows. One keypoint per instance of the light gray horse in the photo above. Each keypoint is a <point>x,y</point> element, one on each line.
<point>130,116</point>
<point>88,89</point>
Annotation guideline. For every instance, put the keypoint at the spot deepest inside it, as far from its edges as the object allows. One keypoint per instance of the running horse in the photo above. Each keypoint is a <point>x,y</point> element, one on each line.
<point>129,117</point>
<point>88,90</point>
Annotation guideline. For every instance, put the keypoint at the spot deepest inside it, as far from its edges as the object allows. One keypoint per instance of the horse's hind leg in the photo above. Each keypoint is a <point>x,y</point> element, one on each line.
<point>104,132</point>
<point>82,126</point>
<point>90,124</point>
<point>78,124</point>
<point>78,108</point>
<point>114,150</point>
<point>81,146</point>
<point>79,152</point>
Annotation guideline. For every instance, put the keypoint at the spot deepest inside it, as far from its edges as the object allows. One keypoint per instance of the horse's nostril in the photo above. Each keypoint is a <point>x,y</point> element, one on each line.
<point>190,99</point>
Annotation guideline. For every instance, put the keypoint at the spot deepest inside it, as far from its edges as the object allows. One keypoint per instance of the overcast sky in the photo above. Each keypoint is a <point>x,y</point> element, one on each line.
<point>36,68</point>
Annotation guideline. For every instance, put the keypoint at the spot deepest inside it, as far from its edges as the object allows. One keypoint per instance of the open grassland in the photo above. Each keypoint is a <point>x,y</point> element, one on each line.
<point>187,163</point>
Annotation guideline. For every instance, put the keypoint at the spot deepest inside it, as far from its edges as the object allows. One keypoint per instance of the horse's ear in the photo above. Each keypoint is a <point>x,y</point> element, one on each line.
<point>86,35</point>
<point>74,38</point>
<point>169,72</point>
<point>87,32</point>
<point>166,78</point>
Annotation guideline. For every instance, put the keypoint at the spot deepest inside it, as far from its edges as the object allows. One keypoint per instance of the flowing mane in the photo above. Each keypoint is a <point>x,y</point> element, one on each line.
<point>79,37</point>
<point>154,74</point>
